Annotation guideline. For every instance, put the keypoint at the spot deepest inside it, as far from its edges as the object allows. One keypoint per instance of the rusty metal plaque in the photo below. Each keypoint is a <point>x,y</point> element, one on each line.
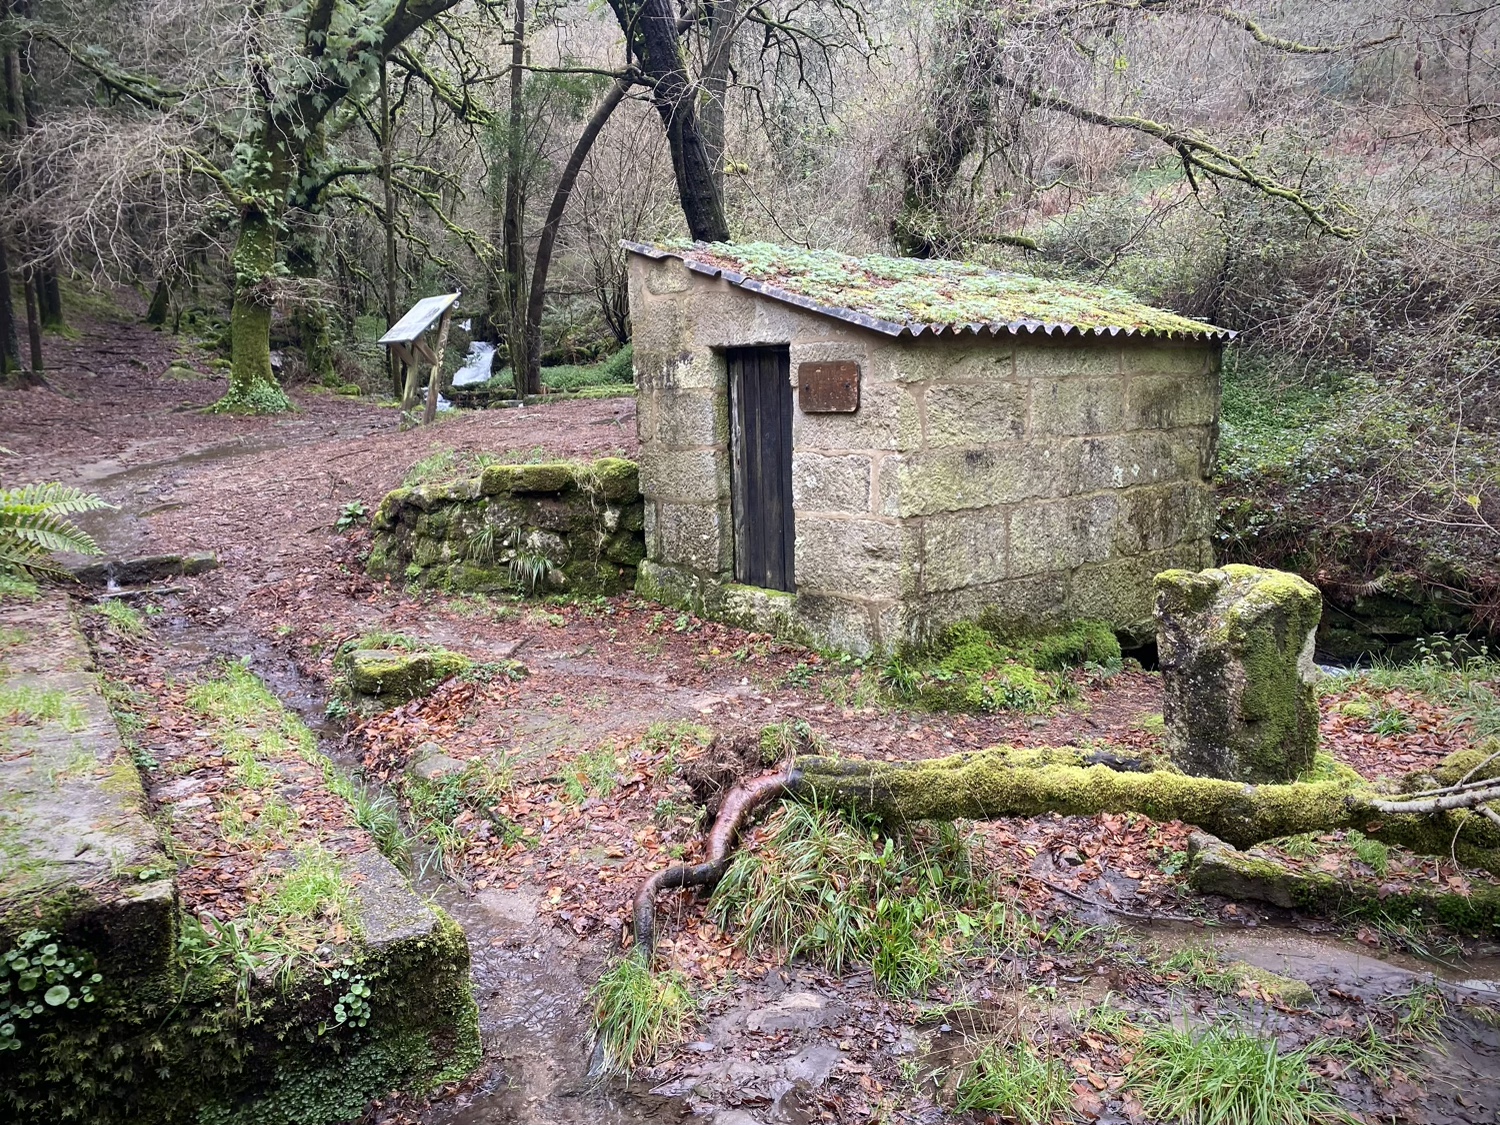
<point>828,388</point>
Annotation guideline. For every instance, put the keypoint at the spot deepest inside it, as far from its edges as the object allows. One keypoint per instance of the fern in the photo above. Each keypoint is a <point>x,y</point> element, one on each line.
<point>34,524</point>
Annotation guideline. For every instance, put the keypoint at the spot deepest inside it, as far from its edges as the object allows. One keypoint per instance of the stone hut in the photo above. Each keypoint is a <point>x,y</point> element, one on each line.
<point>862,451</point>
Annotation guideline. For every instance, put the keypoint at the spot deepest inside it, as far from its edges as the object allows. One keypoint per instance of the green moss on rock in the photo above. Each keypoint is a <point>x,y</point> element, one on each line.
<point>579,525</point>
<point>1236,650</point>
<point>396,675</point>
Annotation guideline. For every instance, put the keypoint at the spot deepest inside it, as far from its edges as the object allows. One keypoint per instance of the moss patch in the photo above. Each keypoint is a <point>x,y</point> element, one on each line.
<point>918,292</point>
<point>991,666</point>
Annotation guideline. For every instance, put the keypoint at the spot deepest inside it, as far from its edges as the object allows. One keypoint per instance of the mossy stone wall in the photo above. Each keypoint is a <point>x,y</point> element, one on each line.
<point>550,528</point>
<point>1042,480</point>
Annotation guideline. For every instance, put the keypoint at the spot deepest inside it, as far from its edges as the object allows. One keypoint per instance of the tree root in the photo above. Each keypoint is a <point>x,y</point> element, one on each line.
<point>1004,781</point>
<point>736,808</point>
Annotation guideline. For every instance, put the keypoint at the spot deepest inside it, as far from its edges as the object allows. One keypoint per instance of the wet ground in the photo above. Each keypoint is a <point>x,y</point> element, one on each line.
<point>771,1042</point>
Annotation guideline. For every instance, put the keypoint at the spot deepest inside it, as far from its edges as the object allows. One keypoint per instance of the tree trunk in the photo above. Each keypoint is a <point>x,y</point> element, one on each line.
<point>34,325</point>
<point>1004,782</point>
<point>53,319</point>
<point>16,106</point>
<point>388,221</point>
<point>513,234</point>
<point>252,384</point>
<point>722,18</point>
<point>537,297</point>
<point>958,115</point>
<point>10,342</point>
<point>161,303</point>
<point>650,27</point>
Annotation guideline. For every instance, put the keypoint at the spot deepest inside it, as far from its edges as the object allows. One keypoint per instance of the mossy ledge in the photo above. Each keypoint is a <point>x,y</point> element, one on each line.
<point>182,1046</point>
<point>1004,781</point>
<point>561,526</point>
<point>164,1034</point>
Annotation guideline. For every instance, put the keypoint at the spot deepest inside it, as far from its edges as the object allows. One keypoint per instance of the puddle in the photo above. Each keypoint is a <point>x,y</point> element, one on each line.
<point>1350,967</point>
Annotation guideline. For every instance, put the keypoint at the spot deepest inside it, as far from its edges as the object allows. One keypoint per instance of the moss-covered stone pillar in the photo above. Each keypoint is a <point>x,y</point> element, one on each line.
<point>1236,649</point>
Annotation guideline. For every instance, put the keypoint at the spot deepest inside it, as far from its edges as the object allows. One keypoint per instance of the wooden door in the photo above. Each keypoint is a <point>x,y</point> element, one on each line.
<point>760,411</point>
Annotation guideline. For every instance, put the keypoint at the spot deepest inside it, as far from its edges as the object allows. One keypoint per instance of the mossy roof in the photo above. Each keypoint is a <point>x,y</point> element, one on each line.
<point>914,296</point>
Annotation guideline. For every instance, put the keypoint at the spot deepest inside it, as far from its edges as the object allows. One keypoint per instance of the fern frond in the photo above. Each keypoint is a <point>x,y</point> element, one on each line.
<point>33,526</point>
<point>50,533</point>
<point>51,498</point>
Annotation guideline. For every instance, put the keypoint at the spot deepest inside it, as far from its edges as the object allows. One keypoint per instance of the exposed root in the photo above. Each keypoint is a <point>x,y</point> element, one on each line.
<point>734,810</point>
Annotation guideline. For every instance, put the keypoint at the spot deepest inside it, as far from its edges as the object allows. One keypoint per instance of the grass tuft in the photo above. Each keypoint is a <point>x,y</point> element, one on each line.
<point>839,892</point>
<point>1015,1084</point>
<point>636,1013</point>
<point>1220,1075</point>
<point>124,619</point>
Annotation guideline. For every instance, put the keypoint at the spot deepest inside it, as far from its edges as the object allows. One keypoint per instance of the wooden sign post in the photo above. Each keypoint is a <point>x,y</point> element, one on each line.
<point>405,340</point>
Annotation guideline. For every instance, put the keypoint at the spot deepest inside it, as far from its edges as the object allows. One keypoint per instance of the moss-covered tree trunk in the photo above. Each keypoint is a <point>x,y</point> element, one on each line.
<point>1007,782</point>
<point>253,388</point>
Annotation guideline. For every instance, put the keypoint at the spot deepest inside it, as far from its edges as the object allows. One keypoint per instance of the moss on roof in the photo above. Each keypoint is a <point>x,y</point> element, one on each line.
<point>918,292</point>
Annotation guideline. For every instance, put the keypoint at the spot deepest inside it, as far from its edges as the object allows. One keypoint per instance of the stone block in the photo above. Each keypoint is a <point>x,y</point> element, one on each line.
<point>975,414</point>
<point>1119,591</point>
<point>694,536</point>
<point>721,315</point>
<point>690,477</point>
<point>757,609</point>
<point>1121,460</point>
<point>667,275</point>
<point>614,479</point>
<point>694,369</point>
<point>831,351</point>
<point>662,332</point>
<point>647,413</point>
<point>1061,534</point>
<point>831,484</point>
<point>986,362</point>
<point>1039,599</point>
<point>1164,402</point>
<point>669,585</point>
<point>694,418</point>
<point>964,549</point>
<point>841,623</point>
<point>649,532</point>
<point>1096,359</point>
<point>950,480</point>
<point>553,477</point>
<point>1077,405</point>
<point>394,675</point>
<point>888,418</point>
<point>859,557</point>
<point>1161,357</point>
<point>1155,517</point>
<point>1236,650</point>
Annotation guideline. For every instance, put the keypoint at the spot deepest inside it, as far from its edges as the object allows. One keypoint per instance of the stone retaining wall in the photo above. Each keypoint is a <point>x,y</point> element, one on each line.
<point>140,1029</point>
<point>1049,480</point>
<point>534,528</point>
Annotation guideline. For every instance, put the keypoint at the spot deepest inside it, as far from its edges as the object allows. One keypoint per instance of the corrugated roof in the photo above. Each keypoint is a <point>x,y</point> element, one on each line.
<point>913,296</point>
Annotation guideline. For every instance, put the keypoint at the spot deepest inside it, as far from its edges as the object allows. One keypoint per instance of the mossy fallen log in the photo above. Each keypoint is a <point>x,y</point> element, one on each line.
<point>1003,781</point>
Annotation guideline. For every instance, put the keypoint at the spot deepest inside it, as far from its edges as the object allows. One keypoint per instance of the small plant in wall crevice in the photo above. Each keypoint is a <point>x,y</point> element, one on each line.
<point>39,975</point>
